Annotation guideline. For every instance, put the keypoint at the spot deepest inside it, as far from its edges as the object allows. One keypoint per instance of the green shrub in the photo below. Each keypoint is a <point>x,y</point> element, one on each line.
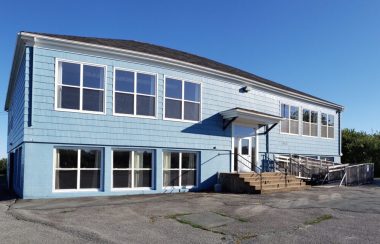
<point>3,165</point>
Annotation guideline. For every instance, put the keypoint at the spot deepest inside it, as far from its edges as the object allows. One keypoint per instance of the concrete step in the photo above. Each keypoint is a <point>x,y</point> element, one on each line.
<point>282,185</point>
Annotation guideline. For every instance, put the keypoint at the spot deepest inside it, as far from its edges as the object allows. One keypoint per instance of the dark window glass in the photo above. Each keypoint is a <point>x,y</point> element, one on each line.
<point>143,160</point>
<point>331,120</point>
<point>93,77</point>
<point>285,111</point>
<point>244,146</point>
<point>122,159</point>
<point>65,179</point>
<point>173,109</point>
<point>171,178</point>
<point>89,179</point>
<point>294,113</point>
<point>70,74</point>
<point>173,88</point>
<point>68,97</point>
<point>192,91</point>
<point>143,178</point>
<point>146,84</point>
<point>124,103</point>
<point>174,161</point>
<point>67,158</point>
<point>90,158</point>
<point>124,81</point>
<point>306,115</point>
<point>314,117</point>
<point>324,119</point>
<point>191,111</point>
<point>145,105</point>
<point>189,160</point>
<point>122,178</point>
<point>93,100</point>
<point>188,177</point>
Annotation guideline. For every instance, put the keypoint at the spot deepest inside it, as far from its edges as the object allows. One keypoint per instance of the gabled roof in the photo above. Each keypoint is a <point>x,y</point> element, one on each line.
<point>161,51</point>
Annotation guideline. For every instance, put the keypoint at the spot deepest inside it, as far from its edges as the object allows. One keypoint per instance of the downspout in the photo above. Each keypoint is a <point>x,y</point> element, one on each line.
<point>339,136</point>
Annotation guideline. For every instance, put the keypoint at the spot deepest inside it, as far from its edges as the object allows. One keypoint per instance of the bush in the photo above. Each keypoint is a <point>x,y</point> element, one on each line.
<point>3,165</point>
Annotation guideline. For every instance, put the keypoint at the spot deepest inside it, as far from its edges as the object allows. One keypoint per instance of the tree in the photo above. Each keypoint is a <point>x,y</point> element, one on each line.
<point>3,165</point>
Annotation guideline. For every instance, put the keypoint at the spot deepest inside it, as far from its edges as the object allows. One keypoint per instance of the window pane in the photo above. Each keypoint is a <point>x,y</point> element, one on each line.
<point>90,158</point>
<point>68,97</point>
<point>314,117</point>
<point>293,127</point>
<point>285,126</point>
<point>122,178</point>
<point>192,91</point>
<point>143,160</point>
<point>171,160</point>
<point>188,178</point>
<point>67,158</point>
<point>294,113</point>
<point>284,111</point>
<point>331,120</point>
<point>89,179</point>
<point>244,146</point>
<point>93,76</point>
<point>324,119</point>
<point>146,84</point>
<point>331,132</point>
<point>189,160</point>
<point>173,88</point>
<point>146,105</point>
<point>93,100</point>
<point>122,159</point>
<point>314,130</point>
<point>70,74</point>
<point>124,103</point>
<point>323,131</point>
<point>171,177</point>
<point>66,179</point>
<point>173,109</point>
<point>124,81</point>
<point>306,115</point>
<point>143,178</point>
<point>191,111</point>
<point>306,129</point>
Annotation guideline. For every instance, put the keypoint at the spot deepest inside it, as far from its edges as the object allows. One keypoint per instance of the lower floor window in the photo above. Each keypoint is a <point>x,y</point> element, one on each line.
<point>77,169</point>
<point>132,169</point>
<point>180,168</point>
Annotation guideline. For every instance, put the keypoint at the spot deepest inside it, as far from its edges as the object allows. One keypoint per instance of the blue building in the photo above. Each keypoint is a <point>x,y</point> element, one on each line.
<point>96,117</point>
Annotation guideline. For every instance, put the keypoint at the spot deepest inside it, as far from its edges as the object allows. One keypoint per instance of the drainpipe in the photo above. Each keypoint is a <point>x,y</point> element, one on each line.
<point>339,136</point>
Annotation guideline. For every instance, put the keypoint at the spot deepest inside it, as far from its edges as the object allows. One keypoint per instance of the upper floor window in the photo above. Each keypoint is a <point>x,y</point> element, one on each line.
<point>182,100</point>
<point>135,93</point>
<point>80,87</point>
<point>327,125</point>
<point>290,124</point>
<point>310,122</point>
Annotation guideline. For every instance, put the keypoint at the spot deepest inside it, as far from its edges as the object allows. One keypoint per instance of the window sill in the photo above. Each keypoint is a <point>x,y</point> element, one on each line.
<point>77,191</point>
<point>182,120</point>
<point>134,116</point>
<point>79,111</point>
<point>131,189</point>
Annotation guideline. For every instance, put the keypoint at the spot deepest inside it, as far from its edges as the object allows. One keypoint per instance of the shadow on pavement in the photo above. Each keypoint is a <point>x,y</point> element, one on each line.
<point>5,194</point>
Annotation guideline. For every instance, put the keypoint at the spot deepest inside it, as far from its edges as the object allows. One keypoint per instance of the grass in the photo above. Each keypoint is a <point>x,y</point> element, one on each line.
<point>237,218</point>
<point>319,219</point>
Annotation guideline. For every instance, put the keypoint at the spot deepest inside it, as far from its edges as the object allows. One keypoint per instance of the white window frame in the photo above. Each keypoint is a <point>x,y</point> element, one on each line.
<point>180,186</point>
<point>327,126</point>
<point>132,151</point>
<point>289,119</point>
<point>310,123</point>
<point>81,87</point>
<point>134,93</point>
<point>78,169</point>
<point>182,100</point>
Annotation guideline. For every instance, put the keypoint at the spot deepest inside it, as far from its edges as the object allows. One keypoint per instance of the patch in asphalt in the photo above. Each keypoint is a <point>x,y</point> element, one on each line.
<point>205,220</point>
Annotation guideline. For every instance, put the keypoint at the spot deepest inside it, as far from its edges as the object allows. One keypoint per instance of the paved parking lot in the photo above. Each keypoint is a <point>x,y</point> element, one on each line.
<point>319,215</point>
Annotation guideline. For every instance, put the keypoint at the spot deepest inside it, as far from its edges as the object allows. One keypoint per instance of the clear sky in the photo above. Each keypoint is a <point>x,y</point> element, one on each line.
<point>330,49</point>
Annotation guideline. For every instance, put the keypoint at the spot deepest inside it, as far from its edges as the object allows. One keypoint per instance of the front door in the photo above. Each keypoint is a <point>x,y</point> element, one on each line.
<point>245,154</point>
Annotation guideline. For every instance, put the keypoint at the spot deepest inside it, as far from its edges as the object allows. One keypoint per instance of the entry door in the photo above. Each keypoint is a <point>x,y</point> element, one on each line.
<point>245,152</point>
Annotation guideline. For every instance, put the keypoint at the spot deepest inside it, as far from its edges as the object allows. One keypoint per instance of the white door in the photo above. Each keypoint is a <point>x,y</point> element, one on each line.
<point>245,154</point>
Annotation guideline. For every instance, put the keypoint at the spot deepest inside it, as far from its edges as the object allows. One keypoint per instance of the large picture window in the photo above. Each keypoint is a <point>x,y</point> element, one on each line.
<point>135,93</point>
<point>180,169</point>
<point>132,169</point>
<point>80,87</point>
<point>310,122</point>
<point>290,123</point>
<point>182,100</point>
<point>327,125</point>
<point>77,169</point>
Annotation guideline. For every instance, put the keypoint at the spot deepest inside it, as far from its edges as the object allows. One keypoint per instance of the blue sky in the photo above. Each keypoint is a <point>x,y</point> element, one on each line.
<point>330,49</point>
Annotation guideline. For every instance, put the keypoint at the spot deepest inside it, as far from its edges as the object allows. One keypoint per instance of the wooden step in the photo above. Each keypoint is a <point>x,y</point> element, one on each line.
<point>277,186</point>
<point>284,189</point>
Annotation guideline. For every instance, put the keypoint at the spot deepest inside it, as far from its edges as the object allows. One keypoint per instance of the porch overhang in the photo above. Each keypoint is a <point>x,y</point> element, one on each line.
<point>248,117</point>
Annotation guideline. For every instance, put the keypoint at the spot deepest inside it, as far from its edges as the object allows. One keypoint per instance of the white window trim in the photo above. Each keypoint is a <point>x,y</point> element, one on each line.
<point>134,93</point>
<point>80,110</point>
<point>182,100</point>
<point>310,110</point>
<point>132,170</point>
<point>54,190</point>
<point>180,170</point>
<point>327,125</point>
<point>289,119</point>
